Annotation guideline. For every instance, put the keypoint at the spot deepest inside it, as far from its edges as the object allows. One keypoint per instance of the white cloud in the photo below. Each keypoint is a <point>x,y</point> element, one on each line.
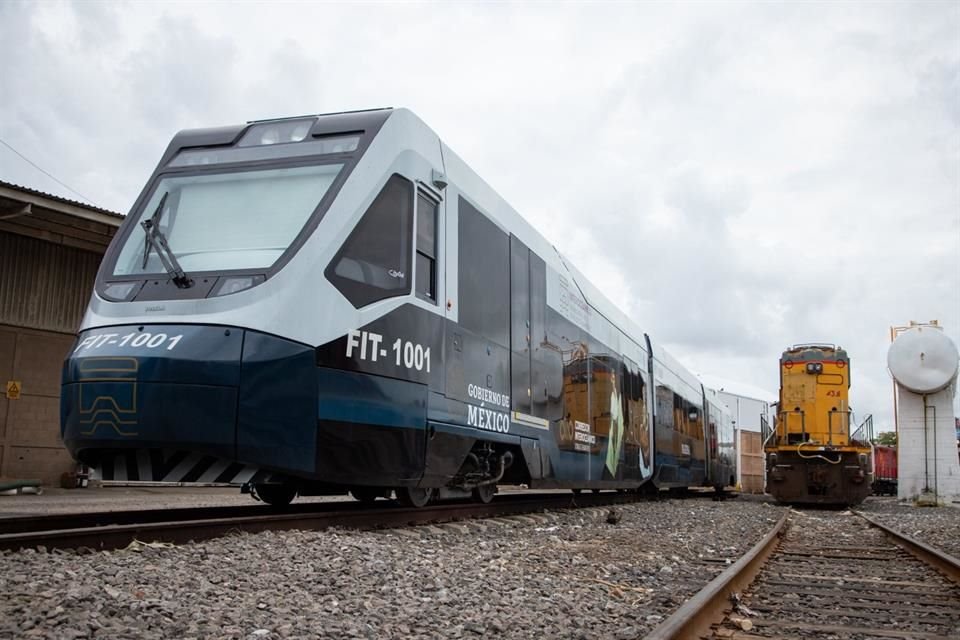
<point>737,177</point>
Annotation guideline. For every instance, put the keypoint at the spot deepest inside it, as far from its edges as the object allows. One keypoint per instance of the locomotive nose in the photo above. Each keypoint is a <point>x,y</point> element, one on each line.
<point>145,387</point>
<point>185,403</point>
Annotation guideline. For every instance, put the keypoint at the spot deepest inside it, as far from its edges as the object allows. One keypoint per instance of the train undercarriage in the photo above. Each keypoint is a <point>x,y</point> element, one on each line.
<point>483,468</point>
<point>818,476</point>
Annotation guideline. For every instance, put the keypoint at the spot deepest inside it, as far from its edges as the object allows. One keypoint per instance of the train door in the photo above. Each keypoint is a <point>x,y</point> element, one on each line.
<point>634,422</point>
<point>528,360</point>
<point>428,272</point>
<point>711,417</point>
<point>474,402</point>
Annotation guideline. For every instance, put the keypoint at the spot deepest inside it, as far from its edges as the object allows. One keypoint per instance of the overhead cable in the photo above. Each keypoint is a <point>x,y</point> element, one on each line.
<point>47,173</point>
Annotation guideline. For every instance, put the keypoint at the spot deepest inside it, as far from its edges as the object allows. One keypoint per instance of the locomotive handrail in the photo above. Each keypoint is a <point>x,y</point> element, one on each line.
<point>866,426</point>
<point>864,433</point>
<point>830,415</point>
<point>766,431</point>
<point>786,425</point>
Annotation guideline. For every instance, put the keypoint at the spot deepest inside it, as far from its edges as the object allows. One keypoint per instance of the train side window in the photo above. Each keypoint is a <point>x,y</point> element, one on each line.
<point>484,275</point>
<point>665,407</point>
<point>426,285</point>
<point>374,262</point>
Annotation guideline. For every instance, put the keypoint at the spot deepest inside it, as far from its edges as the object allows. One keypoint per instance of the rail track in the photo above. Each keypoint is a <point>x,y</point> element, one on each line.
<point>117,529</point>
<point>838,575</point>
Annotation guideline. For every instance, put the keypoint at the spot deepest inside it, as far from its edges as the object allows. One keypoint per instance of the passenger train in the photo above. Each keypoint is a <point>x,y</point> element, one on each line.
<point>338,303</point>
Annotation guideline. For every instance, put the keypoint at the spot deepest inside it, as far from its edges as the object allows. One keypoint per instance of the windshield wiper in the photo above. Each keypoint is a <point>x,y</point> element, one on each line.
<point>154,238</point>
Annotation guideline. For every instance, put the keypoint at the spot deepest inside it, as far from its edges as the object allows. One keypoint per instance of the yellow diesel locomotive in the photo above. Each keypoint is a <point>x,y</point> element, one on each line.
<point>811,456</point>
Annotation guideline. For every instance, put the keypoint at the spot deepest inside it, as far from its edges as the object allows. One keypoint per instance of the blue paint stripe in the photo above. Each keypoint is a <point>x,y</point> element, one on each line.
<point>359,398</point>
<point>480,434</point>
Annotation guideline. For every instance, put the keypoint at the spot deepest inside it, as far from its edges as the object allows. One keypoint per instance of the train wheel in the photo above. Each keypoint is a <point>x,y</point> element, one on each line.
<point>276,495</point>
<point>414,496</point>
<point>484,493</point>
<point>366,495</point>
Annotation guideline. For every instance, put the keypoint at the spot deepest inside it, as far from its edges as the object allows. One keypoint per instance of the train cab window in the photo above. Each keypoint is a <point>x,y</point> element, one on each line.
<point>426,267</point>
<point>374,262</point>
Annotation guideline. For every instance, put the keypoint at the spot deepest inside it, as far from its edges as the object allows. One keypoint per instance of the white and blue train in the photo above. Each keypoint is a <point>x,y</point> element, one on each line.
<point>338,303</point>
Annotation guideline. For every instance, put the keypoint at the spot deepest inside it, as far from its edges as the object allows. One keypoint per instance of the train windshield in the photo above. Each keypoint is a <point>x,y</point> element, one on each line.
<point>226,220</point>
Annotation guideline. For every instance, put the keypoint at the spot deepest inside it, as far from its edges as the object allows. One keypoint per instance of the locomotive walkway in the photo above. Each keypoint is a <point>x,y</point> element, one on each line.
<point>827,575</point>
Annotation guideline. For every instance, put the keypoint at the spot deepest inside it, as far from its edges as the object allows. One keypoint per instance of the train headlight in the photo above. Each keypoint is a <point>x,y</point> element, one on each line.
<point>235,284</point>
<point>270,135</point>
<point>276,132</point>
<point>120,291</point>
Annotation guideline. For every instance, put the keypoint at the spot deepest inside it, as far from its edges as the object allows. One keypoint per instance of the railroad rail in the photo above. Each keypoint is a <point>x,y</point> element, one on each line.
<point>827,575</point>
<point>117,529</point>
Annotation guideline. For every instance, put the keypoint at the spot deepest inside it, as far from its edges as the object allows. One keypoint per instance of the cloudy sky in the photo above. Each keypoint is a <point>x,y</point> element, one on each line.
<point>737,177</point>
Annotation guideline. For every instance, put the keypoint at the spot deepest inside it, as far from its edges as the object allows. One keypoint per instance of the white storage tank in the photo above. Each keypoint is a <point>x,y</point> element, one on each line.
<point>924,362</point>
<point>923,359</point>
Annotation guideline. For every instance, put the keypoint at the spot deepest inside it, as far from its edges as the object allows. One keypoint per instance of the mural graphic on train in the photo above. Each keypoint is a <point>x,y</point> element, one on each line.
<point>346,306</point>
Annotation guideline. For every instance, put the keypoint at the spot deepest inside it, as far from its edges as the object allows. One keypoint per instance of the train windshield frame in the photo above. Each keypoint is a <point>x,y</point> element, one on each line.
<point>226,218</point>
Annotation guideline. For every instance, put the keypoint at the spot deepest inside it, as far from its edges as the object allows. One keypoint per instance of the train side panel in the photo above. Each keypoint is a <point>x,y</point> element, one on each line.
<point>680,445</point>
<point>721,443</point>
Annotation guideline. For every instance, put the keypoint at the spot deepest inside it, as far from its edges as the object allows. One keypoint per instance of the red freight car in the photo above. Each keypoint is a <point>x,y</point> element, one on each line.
<point>884,470</point>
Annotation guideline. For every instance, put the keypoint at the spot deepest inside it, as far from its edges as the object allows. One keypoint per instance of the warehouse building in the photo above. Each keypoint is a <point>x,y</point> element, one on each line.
<point>50,249</point>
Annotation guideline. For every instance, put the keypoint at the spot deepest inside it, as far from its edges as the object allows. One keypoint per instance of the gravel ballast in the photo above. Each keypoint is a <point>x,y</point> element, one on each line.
<point>566,574</point>
<point>937,526</point>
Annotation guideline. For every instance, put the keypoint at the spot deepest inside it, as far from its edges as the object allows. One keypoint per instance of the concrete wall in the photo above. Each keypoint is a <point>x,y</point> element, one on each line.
<point>30,445</point>
<point>44,289</point>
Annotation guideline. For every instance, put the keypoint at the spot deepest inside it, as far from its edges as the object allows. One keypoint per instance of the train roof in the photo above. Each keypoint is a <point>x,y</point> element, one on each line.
<point>326,123</point>
<point>713,397</point>
<point>492,204</point>
<point>692,382</point>
<point>737,388</point>
<point>813,351</point>
<point>510,220</point>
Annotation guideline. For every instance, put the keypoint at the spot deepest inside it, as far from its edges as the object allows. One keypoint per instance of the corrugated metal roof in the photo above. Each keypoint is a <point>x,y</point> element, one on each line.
<point>50,196</point>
